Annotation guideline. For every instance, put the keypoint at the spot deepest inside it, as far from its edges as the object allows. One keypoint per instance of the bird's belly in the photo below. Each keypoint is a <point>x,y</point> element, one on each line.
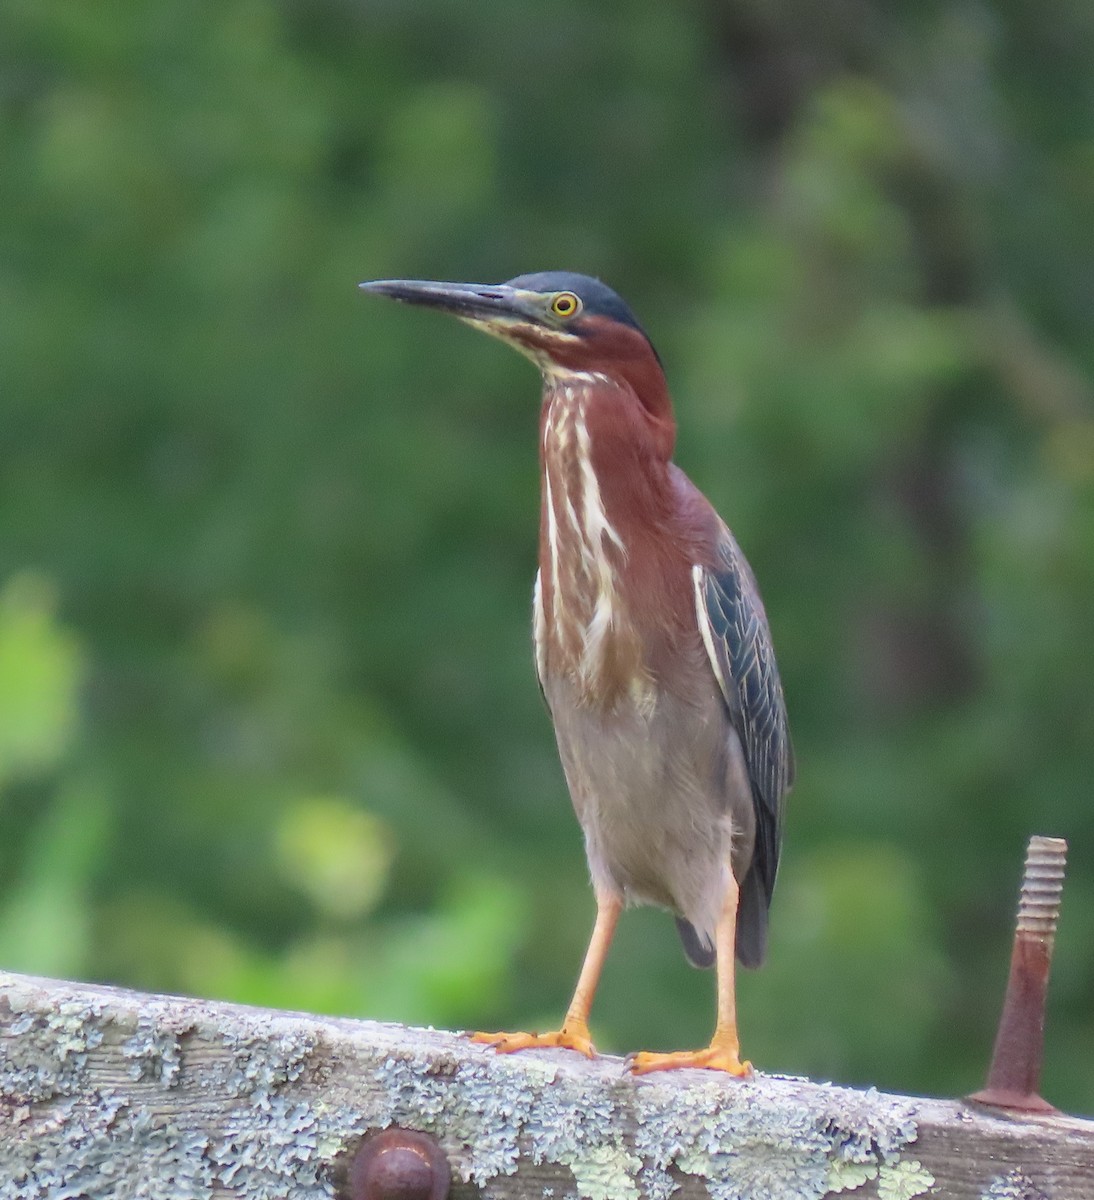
<point>661,795</point>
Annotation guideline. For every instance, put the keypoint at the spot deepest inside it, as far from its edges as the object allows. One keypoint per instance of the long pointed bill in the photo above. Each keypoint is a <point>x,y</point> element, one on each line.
<point>489,304</point>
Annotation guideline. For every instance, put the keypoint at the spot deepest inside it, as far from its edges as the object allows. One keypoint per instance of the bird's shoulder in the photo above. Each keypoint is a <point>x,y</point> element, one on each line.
<point>703,530</point>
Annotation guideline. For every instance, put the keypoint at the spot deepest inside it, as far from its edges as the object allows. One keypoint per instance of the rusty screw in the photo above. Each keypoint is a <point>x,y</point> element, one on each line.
<point>399,1164</point>
<point>1015,1073</point>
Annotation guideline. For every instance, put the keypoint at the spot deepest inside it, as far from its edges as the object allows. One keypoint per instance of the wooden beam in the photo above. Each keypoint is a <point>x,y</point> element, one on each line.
<point>111,1095</point>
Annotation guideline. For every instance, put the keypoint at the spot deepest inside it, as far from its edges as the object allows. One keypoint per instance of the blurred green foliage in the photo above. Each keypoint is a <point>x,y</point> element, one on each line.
<point>268,723</point>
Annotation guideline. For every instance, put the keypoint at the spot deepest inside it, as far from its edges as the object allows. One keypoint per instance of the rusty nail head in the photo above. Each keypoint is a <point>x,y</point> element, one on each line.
<point>399,1164</point>
<point>1015,1073</point>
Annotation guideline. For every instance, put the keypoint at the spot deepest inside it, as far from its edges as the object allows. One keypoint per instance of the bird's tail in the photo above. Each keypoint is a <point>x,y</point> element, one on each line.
<point>751,929</point>
<point>698,948</point>
<point>752,920</point>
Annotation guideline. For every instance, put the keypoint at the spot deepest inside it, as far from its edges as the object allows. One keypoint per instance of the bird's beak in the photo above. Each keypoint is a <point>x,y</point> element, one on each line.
<point>492,305</point>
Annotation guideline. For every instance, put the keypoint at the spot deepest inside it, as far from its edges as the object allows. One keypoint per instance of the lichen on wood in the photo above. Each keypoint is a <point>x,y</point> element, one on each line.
<point>113,1094</point>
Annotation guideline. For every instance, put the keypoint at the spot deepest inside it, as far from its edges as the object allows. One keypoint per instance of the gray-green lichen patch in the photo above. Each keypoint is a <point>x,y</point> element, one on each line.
<point>491,1111</point>
<point>867,1144</point>
<point>579,1127</point>
<point>481,1105</point>
<point>176,1100</point>
<point>764,1139</point>
<point>903,1180</point>
<point>153,1052</point>
<point>45,1052</point>
<point>607,1172</point>
<point>278,1136</point>
<point>260,1149</point>
<point>722,1135</point>
<point>847,1176</point>
<point>1014,1185</point>
<point>103,1151</point>
<point>260,1062</point>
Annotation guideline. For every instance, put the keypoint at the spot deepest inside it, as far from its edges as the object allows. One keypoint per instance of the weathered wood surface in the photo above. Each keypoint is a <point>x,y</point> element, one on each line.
<point>112,1095</point>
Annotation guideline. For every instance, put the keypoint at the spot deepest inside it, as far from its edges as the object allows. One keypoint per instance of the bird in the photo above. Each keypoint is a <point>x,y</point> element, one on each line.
<point>651,646</point>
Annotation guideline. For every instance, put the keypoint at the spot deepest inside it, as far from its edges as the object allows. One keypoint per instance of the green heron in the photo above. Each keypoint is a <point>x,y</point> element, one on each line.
<point>651,645</point>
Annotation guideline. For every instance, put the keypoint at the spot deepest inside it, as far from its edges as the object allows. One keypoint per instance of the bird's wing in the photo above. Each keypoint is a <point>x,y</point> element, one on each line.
<point>738,642</point>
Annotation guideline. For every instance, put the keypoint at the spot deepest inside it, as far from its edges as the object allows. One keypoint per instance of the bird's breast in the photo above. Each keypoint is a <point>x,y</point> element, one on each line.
<point>589,599</point>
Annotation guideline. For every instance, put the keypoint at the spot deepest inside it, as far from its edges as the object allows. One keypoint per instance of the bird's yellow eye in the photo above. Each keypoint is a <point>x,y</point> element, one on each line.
<point>565,304</point>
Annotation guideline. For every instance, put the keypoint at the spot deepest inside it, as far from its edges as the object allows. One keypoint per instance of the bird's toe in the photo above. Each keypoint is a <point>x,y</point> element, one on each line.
<point>712,1058</point>
<point>567,1038</point>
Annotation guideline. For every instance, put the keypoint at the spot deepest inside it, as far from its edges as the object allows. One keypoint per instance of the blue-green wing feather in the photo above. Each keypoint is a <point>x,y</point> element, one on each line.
<point>738,640</point>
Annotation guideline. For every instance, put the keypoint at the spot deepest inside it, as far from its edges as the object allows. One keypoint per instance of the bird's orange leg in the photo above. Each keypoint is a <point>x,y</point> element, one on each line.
<point>574,1034</point>
<point>723,1053</point>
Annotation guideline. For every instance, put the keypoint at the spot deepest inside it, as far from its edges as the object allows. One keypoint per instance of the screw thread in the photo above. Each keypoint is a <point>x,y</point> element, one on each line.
<point>1042,885</point>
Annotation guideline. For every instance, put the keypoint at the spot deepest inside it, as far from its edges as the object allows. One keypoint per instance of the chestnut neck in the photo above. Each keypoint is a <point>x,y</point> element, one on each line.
<point>626,432</point>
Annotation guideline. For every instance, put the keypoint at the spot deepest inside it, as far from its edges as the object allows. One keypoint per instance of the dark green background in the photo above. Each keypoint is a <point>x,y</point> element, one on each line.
<point>268,723</point>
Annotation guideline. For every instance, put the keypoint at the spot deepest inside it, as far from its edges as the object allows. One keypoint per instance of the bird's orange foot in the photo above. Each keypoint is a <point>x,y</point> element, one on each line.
<point>571,1037</point>
<point>713,1058</point>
